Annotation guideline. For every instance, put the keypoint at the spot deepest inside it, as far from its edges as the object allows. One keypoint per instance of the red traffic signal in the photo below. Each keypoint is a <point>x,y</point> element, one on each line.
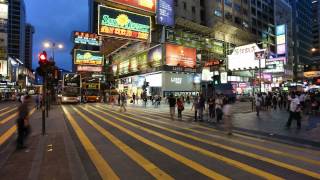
<point>43,57</point>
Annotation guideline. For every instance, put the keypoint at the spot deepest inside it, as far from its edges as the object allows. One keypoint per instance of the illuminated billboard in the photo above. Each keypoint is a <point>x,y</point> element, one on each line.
<point>180,56</point>
<point>81,68</point>
<point>244,57</point>
<point>85,57</point>
<point>165,12</point>
<point>119,23</point>
<point>146,5</point>
<point>3,11</point>
<point>87,38</point>
<point>281,39</point>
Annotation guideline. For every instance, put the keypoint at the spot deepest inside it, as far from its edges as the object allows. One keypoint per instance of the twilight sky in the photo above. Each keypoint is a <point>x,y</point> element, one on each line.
<point>54,20</point>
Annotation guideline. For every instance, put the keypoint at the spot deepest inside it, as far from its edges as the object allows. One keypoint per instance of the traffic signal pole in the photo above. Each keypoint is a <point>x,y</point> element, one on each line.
<point>44,105</point>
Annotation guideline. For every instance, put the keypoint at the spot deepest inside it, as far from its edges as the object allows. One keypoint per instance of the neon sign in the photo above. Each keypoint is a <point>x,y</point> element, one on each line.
<point>84,57</point>
<point>146,5</point>
<point>87,38</point>
<point>120,23</point>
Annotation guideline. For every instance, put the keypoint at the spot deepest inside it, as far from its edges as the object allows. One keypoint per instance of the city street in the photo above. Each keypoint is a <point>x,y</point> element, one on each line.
<point>96,141</point>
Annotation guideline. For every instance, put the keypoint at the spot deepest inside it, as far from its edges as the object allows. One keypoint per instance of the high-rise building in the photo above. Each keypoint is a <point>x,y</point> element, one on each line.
<point>16,29</point>
<point>316,30</point>
<point>3,30</point>
<point>302,34</point>
<point>28,46</point>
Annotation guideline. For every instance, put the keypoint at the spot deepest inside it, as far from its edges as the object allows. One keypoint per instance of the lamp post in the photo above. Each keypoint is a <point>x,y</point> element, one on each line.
<point>53,46</point>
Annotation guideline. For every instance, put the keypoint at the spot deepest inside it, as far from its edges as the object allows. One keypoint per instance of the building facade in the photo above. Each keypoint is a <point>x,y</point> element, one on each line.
<point>316,30</point>
<point>16,29</point>
<point>302,34</point>
<point>28,46</point>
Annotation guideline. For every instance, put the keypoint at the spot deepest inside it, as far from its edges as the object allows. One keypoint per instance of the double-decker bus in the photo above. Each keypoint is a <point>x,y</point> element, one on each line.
<point>71,88</point>
<point>91,89</point>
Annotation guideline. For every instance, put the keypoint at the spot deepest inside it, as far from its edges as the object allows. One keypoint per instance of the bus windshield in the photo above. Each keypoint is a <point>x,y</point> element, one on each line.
<point>71,91</point>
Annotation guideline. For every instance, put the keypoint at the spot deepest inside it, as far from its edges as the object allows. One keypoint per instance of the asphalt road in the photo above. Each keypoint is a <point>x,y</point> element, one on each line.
<point>146,144</point>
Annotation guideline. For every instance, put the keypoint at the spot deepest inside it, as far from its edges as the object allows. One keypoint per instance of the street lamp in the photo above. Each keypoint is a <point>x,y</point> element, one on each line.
<point>53,46</point>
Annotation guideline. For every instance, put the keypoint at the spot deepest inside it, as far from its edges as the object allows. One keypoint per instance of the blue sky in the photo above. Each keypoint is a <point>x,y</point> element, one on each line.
<point>54,20</point>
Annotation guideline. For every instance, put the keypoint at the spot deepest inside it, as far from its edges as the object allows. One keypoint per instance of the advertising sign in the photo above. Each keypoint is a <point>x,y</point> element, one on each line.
<point>3,67</point>
<point>224,77</point>
<point>180,56</point>
<point>119,23</point>
<point>155,56</point>
<point>89,68</point>
<point>85,57</point>
<point>244,57</point>
<point>87,38</point>
<point>3,11</point>
<point>311,74</point>
<point>206,74</point>
<point>165,13</point>
<point>146,5</point>
<point>281,39</point>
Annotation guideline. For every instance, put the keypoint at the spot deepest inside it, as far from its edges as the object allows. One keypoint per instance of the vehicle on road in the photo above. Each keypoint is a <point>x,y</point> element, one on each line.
<point>71,88</point>
<point>91,89</point>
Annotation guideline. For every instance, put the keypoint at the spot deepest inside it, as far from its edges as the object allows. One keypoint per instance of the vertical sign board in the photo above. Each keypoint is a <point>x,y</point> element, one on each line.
<point>165,13</point>
<point>123,24</point>
<point>281,37</point>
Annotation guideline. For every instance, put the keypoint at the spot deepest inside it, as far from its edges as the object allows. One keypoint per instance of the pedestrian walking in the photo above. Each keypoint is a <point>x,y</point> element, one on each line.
<point>201,107</point>
<point>258,103</point>
<point>211,106</point>
<point>180,108</point>
<point>274,102</point>
<point>123,102</point>
<point>172,105</point>
<point>227,116</point>
<point>23,125</point>
<point>218,105</point>
<point>295,109</point>
<point>195,107</point>
<point>134,98</point>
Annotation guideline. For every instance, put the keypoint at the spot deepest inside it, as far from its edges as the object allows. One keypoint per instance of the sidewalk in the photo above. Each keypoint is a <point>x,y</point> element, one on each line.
<point>272,124</point>
<point>40,159</point>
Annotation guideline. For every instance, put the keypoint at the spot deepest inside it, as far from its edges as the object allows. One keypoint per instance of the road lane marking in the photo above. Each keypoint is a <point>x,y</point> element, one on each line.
<point>4,109</point>
<point>3,121</point>
<point>239,151</point>
<point>192,164</point>
<point>229,161</point>
<point>6,112</point>
<point>235,134</point>
<point>276,152</point>
<point>134,155</point>
<point>102,166</point>
<point>6,135</point>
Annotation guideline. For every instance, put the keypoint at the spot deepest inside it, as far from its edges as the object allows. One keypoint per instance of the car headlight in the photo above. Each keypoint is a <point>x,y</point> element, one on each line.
<point>64,98</point>
<point>97,98</point>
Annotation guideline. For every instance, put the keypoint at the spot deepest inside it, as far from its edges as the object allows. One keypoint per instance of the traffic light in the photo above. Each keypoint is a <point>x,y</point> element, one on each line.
<point>43,58</point>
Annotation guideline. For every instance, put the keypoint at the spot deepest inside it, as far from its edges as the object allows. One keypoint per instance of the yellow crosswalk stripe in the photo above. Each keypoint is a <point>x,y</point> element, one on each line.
<point>234,134</point>
<point>229,161</point>
<point>4,113</point>
<point>138,158</point>
<point>3,121</point>
<point>194,165</point>
<point>102,166</point>
<point>5,136</point>
<point>239,151</point>
<point>285,154</point>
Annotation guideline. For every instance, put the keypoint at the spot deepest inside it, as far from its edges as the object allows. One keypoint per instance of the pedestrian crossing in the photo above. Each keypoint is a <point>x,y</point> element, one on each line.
<point>165,149</point>
<point>8,127</point>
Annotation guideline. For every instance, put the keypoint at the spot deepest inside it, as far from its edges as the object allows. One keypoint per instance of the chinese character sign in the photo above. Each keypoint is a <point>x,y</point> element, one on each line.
<point>119,23</point>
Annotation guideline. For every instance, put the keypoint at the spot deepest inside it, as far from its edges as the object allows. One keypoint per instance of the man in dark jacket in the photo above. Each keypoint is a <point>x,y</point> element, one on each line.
<point>172,104</point>
<point>21,122</point>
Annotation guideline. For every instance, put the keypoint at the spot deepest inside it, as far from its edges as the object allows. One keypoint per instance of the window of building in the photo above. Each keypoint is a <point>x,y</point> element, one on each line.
<point>253,2</point>
<point>228,3</point>
<point>184,5</point>
<point>176,3</point>
<point>245,1</point>
<point>237,7</point>
<point>237,20</point>
<point>253,11</point>
<point>228,16</point>
<point>259,4</point>
<point>193,10</point>
<point>218,12</point>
